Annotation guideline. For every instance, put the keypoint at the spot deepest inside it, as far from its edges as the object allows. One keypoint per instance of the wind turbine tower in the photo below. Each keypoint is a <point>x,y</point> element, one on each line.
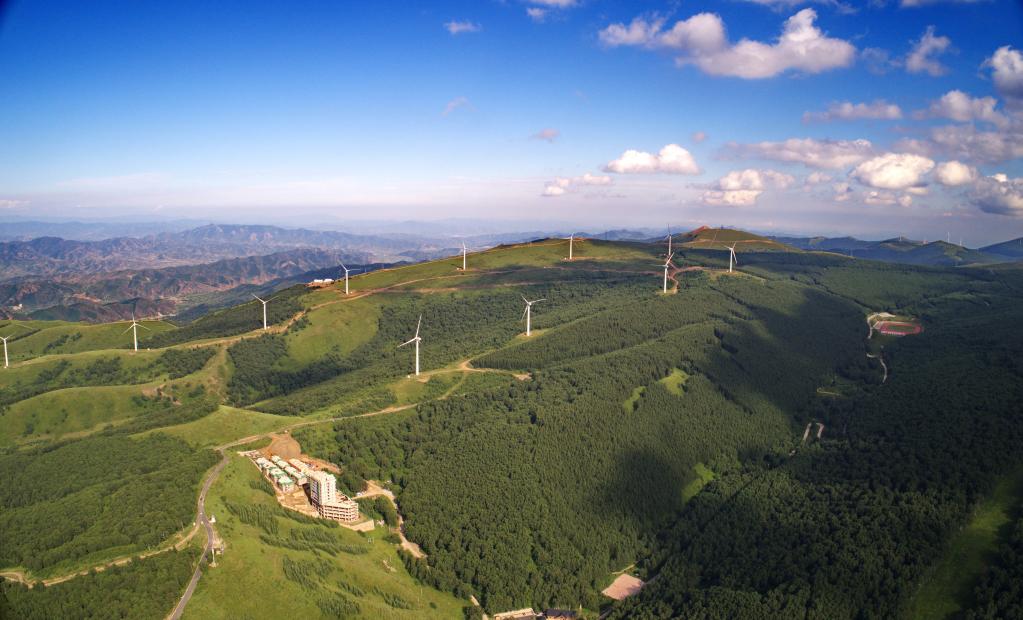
<point>6,363</point>
<point>732,258</point>
<point>346,292</point>
<point>134,327</point>
<point>269,300</point>
<point>465,250</point>
<point>416,339</point>
<point>571,239</point>
<point>528,314</point>
<point>669,241</point>
<point>4,338</point>
<point>667,263</point>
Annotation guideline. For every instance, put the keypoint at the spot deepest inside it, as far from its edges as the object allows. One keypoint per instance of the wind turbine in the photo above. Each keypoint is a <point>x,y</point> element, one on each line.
<point>571,239</point>
<point>528,313</point>
<point>134,327</point>
<point>4,338</point>
<point>732,258</point>
<point>465,250</point>
<point>666,264</point>
<point>416,339</point>
<point>669,241</point>
<point>346,291</point>
<point>271,299</point>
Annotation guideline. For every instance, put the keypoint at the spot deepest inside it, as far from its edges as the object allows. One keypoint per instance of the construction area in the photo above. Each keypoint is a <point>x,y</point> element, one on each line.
<point>304,486</point>
<point>888,324</point>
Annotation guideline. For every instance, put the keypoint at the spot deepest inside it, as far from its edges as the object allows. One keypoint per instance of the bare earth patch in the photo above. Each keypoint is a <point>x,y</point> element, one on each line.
<point>623,587</point>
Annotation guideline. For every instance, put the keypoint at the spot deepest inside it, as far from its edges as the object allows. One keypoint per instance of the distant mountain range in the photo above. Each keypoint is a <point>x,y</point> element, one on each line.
<point>912,252</point>
<point>187,272</point>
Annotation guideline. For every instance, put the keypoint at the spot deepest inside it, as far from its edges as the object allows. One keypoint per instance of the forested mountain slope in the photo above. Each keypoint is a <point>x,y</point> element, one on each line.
<point>663,434</point>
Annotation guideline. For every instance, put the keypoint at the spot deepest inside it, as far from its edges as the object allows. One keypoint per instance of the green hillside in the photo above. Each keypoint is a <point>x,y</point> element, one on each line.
<point>631,428</point>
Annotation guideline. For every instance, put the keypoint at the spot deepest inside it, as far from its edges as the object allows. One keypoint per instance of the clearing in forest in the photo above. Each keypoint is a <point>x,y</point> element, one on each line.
<point>949,587</point>
<point>674,381</point>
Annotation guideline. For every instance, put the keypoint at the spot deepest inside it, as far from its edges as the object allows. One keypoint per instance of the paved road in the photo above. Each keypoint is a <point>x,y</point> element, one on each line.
<point>204,520</point>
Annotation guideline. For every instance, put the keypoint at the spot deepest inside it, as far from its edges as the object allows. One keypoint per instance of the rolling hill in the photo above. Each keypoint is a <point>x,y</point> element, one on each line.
<point>666,435</point>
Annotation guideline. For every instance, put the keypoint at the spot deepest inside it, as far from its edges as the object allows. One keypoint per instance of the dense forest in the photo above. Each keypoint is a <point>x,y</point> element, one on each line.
<point>141,589</point>
<point>845,528</point>
<point>581,487</point>
<point>97,496</point>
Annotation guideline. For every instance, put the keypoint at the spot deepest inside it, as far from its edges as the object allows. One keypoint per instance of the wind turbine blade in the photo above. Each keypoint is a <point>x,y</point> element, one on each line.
<point>343,267</point>
<point>129,328</point>
<point>254,295</point>
<point>536,301</point>
<point>407,342</point>
<point>524,311</point>
<point>524,298</point>
<point>418,325</point>
<point>144,327</point>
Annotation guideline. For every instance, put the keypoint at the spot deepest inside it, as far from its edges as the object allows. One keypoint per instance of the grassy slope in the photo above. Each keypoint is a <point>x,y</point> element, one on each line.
<point>949,587</point>
<point>59,337</point>
<point>73,410</point>
<point>224,425</point>
<point>249,580</point>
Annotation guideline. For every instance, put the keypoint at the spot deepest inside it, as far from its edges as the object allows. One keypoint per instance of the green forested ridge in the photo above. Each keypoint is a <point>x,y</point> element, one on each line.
<point>232,321</point>
<point>848,528</point>
<point>534,489</point>
<point>95,496</point>
<point>141,589</point>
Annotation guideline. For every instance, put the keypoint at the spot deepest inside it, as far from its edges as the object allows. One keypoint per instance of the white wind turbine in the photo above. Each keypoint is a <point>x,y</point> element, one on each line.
<point>667,263</point>
<point>732,258</point>
<point>528,313</point>
<point>4,338</point>
<point>6,363</point>
<point>669,241</point>
<point>571,240</point>
<point>346,287</point>
<point>465,251</point>
<point>134,327</point>
<point>271,299</point>
<point>416,339</point>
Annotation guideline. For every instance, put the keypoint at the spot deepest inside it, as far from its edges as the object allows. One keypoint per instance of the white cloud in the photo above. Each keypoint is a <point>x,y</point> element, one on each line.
<point>879,61</point>
<point>893,171</point>
<point>1007,72</point>
<point>701,41</point>
<point>731,198</point>
<point>558,4</point>
<point>823,154</point>
<point>560,185</point>
<point>672,159</point>
<point>843,191</point>
<point>999,194</point>
<point>741,188</point>
<point>6,203</point>
<point>887,199</point>
<point>455,104</point>
<point>918,3</point>
<point>458,27</point>
<point>848,111</point>
<point>698,136</point>
<point>967,143</point>
<point>817,178</point>
<point>954,173</point>
<point>958,106</point>
<point>548,133</point>
<point>536,14</point>
<point>921,57</point>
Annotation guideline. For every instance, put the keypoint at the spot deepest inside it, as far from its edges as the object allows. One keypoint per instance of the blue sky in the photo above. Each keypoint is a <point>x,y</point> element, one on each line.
<point>522,111</point>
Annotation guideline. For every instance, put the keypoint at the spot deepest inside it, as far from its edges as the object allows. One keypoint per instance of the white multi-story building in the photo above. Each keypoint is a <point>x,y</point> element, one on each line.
<point>328,502</point>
